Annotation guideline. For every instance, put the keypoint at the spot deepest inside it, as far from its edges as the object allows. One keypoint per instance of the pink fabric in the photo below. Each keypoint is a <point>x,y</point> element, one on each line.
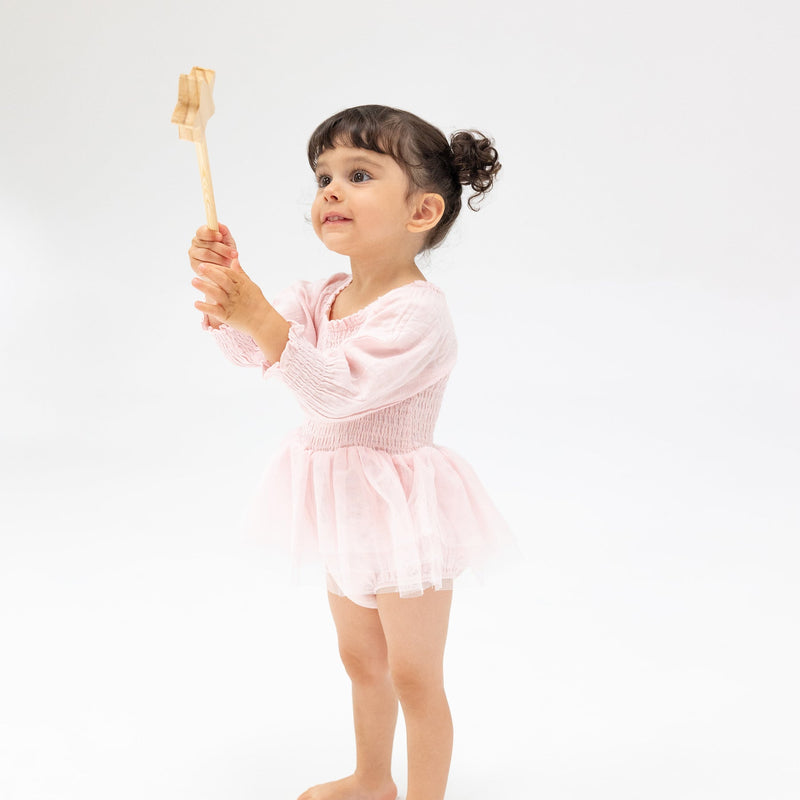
<point>361,489</point>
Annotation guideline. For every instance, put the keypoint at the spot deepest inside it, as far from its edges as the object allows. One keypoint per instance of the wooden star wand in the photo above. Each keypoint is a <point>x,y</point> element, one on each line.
<point>195,107</point>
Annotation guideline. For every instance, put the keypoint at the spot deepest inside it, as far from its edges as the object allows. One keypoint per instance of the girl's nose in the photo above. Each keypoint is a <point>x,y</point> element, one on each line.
<point>332,192</point>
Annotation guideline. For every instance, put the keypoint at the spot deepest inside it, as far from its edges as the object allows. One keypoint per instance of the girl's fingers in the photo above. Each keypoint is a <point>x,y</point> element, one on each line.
<point>217,247</point>
<point>226,235</point>
<point>223,235</point>
<point>217,275</point>
<point>212,247</point>
<point>224,232</point>
<point>213,252</point>
<point>211,256</point>
<point>211,309</point>
<point>205,234</point>
<point>210,290</point>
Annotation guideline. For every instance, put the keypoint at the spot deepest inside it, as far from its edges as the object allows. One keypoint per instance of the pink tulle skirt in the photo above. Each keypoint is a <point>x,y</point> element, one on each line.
<point>375,521</point>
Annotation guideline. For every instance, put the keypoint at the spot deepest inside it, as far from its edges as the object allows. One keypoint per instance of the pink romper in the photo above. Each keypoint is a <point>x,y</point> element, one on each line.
<point>360,489</point>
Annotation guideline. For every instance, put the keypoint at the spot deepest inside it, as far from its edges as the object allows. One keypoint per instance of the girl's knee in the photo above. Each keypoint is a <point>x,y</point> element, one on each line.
<point>363,666</point>
<point>416,683</point>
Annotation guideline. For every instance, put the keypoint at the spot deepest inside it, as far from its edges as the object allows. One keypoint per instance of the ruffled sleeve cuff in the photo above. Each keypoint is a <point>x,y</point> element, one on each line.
<point>237,347</point>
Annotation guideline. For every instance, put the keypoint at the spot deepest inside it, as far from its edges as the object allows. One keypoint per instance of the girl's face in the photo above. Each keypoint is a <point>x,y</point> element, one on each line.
<point>361,207</point>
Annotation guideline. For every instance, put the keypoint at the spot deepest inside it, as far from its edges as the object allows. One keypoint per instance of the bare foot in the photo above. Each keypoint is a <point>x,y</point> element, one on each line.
<point>350,789</point>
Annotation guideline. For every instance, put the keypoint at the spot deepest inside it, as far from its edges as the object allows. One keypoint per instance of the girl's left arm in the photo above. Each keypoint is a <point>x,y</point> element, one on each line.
<point>402,349</point>
<point>271,334</point>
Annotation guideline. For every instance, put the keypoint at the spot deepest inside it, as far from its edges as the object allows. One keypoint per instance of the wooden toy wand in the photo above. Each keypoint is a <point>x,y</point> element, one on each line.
<point>195,106</point>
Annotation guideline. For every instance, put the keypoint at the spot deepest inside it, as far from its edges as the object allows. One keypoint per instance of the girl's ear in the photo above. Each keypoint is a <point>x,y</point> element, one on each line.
<point>426,213</point>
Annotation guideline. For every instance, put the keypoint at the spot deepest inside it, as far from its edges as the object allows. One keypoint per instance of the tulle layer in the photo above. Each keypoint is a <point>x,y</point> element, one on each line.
<point>377,521</point>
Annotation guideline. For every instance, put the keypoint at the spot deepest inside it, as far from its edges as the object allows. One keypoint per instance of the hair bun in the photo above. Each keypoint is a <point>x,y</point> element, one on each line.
<point>476,163</point>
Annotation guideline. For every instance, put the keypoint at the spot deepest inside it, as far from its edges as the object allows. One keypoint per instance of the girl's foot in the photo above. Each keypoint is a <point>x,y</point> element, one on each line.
<point>350,788</point>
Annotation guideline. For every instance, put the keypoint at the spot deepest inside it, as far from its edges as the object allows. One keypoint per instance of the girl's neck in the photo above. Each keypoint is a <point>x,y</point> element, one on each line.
<point>375,278</point>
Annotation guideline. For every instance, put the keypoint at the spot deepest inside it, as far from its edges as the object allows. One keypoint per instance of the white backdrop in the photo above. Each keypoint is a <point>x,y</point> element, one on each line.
<point>627,309</point>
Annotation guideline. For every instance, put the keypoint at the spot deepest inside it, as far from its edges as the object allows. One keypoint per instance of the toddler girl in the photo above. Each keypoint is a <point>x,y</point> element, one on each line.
<point>361,489</point>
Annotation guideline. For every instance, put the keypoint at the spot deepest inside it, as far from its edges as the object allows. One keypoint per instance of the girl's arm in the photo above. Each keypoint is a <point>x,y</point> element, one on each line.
<point>271,333</point>
<point>237,301</point>
<point>237,347</point>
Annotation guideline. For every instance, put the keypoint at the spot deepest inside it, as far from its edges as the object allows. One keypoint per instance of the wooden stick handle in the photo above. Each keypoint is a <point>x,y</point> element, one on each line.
<point>205,180</point>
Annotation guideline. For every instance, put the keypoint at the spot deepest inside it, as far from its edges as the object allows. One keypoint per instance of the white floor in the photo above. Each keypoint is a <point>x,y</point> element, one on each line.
<point>145,653</point>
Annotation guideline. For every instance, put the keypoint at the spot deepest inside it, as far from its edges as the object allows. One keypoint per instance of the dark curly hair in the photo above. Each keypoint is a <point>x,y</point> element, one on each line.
<point>431,163</point>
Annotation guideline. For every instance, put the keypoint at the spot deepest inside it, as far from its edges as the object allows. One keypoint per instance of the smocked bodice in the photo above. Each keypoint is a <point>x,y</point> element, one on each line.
<point>398,428</point>
<point>375,378</point>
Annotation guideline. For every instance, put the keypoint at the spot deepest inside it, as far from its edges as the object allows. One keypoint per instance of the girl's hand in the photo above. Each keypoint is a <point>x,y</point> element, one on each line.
<point>212,247</point>
<point>231,296</point>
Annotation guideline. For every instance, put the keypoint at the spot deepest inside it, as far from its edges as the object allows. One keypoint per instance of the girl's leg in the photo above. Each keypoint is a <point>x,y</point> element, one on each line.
<point>362,647</point>
<point>415,631</point>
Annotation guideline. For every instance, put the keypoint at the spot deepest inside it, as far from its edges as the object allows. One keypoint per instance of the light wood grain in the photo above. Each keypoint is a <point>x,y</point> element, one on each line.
<point>193,110</point>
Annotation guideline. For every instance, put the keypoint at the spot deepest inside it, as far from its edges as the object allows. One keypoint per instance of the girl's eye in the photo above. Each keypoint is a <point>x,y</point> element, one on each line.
<point>358,176</point>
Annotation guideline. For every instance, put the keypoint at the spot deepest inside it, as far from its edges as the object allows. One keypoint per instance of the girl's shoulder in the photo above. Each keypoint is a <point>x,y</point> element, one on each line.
<point>310,293</point>
<point>414,311</point>
<point>420,299</point>
<point>317,286</point>
<point>421,302</point>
